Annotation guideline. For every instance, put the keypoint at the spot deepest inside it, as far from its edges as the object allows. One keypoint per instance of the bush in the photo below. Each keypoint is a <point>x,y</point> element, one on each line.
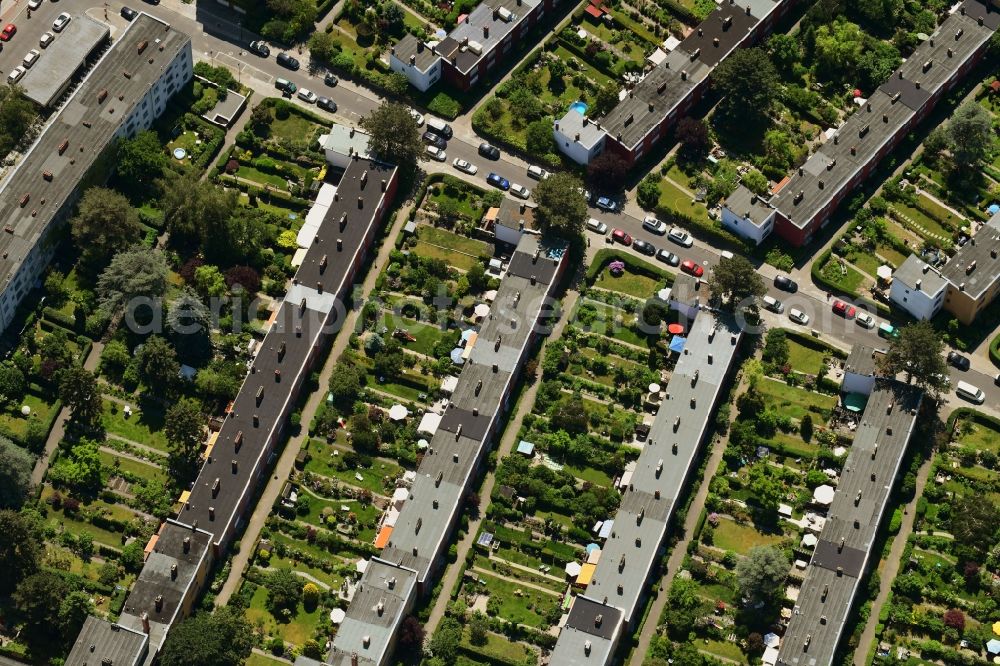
<point>444,105</point>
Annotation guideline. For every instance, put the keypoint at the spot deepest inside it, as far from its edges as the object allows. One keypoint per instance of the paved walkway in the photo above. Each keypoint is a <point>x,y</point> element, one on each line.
<point>287,459</point>
<point>892,564</point>
<point>524,406</point>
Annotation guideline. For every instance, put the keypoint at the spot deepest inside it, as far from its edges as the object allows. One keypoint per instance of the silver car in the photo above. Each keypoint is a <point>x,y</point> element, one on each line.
<point>464,166</point>
<point>520,191</point>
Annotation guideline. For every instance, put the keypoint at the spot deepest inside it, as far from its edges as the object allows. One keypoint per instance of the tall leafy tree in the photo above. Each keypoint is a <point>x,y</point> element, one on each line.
<point>79,469</point>
<point>38,598</point>
<point>748,82</point>
<point>194,210</point>
<point>284,589</point>
<point>15,474</point>
<point>79,391</point>
<point>105,223</point>
<point>761,574</point>
<point>736,282</point>
<point>918,354</point>
<point>158,364</point>
<point>185,431</point>
<point>12,383</point>
<point>395,137</point>
<point>21,547</point>
<point>140,161</point>
<point>562,208</point>
<point>136,273</point>
<point>970,134</point>
<point>222,638</point>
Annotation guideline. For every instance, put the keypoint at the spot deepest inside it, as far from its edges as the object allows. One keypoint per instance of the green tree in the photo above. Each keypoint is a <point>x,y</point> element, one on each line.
<point>79,469</point>
<point>15,474</point>
<point>974,524</point>
<point>785,51</point>
<point>56,289</point>
<point>388,361</point>
<point>21,547</point>
<point>73,611</point>
<point>115,357</point>
<point>136,273</point>
<point>776,348</point>
<point>17,115</point>
<point>478,628</point>
<point>970,135</point>
<point>648,192</point>
<point>222,638</point>
<point>209,282</point>
<point>918,353</point>
<point>538,138</point>
<point>324,47</point>
<point>692,133</point>
<point>139,162</point>
<point>345,386</point>
<point>105,223</point>
<point>194,210</point>
<point>748,82</point>
<point>767,490</point>
<point>284,589</point>
<point>185,431</point>
<point>736,282</point>
<point>38,598</point>
<point>395,137</point>
<point>605,99</point>
<point>562,208</point>
<point>882,14</point>
<point>158,364</point>
<point>756,182</point>
<point>570,415</point>
<point>761,574</point>
<point>806,427</point>
<point>683,604</point>
<point>79,391</point>
<point>444,642</point>
<point>838,48</point>
<point>12,383</point>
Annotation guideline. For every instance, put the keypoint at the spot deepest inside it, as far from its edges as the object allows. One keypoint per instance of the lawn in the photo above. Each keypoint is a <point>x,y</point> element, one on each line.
<point>935,210</point>
<point>741,538</point>
<point>295,127</point>
<point>462,262</point>
<point>795,402</point>
<point>323,462</point>
<point>530,608</point>
<point>804,359</point>
<point>866,261</point>
<point>843,276</point>
<point>452,241</point>
<point>794,445</point>
<point>629,283</point>
<point>728,650</point>
<point>301,627</point>
<point>595,476</point>
<point>256,659</point>
<point>926,223</point>
<point>500,648</point>
<point>145,426</point>
<point>330,579</point>
<point>142,470</point>
<point>587,70</point>
<point>250,173</point>
<point>427,335</point>
<point>982,436</point>
<point>410,389</point>
<point>673,198</point>
<point>365,512</point>
<point>12,420</point>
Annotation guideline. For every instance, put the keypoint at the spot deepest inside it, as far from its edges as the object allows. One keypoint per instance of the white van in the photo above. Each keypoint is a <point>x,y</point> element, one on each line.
<point>773,304</point>
<point>597,226</point>
<point>439,126</point>
<point>969,392</point>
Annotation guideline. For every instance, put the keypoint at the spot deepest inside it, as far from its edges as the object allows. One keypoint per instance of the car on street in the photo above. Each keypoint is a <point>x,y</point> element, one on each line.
<point>464,166</point>
<point>330,80</point>
<point>773,304</point>
<point>128,13</point>
<point>864,320</point>
<point>997,380</point>
<point>287,61</point>
<point>621,236</point>
<point>15,74</point>
<point>681,237</point>
<point>644,247</point>
<point>496,180</point>
<point>888,331</point>
<point>956,360</point>
<point>844,310</point>
<point>31,57</point>
<point>61,22</point>
<point>798,316</point>
<point>668,257</point>
<point>327,104</point>
<point>307,96</point>
<point>8,31</point>
<point>691,268</point>
<point>538,173</point>
<point>435,140</point>
<point>418,117</point>
<point>436,153</point>
<point>520,191</point>
<point>261,48</point>
<point>607,203</point>
<point>650,223</point>
<point>285,86</point>
<point>46,39</point>
<point>785,283</point>
<point>489,151</point>
<point>34,4</point>
<point>597,226</point>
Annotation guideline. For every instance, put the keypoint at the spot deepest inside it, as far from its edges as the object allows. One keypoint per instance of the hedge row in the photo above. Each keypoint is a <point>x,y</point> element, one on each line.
<point>813,343</point>
<point>995,351</point>
<point>633,263</point>
<point>707,229</point>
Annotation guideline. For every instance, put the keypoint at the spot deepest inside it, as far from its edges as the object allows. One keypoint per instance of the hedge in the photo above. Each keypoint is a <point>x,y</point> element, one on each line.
<point>706,228</point>
<point>813,343</point>
<point>995,351</point>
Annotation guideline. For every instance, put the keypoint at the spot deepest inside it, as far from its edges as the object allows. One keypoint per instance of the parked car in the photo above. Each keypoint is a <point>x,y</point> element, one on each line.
<point>669,258</point>
<point>15,74</point>
<point>46,39</point>
<point>785,283</point>
<point>8,31</point>
<point>285,86</point>
<point>261,48</point>
<point>844,310</point>
<point>31,57</point>
<point>499,181</point>
<point>330,80</point>
<point>798,316</point>
<point>464,166</point>
<point>692,268</point>
<point>621,236</point>
<point>129,14</point>
<point>34,4</point>
<point>681,237</point>
<point>61,22</point>
<point>287,61</point>
<point>307,96</point>
<point>650,223</point>
<point>645,247</point>
<point>888,331</point>
<point>597,226</point>
<point>956,360</point>
<point>864,320</point>
<point>436,153</point>
<point>520,191</point>
<point>418,117</point>
<point>326,103</point>
<point>773,304</point>
<point>489,151</point>
<point>606,203</point>
<point>537,172</point>
<point>435,140</point>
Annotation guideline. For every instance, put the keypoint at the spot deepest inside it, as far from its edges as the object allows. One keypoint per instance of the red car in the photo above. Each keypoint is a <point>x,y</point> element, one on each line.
<point>844,310</point>
<point>8,32</point>
<point>620,236</point>
<point>689,266</point>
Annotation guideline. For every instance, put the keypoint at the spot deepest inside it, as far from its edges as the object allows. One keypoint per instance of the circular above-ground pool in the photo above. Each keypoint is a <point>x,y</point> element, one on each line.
<point>180,153</point>
<point>579,107</point>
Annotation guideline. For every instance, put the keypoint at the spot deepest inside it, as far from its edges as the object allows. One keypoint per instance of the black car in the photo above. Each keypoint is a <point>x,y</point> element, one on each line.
<point>644,247</point>
<point>785,283</point>
<point>288,61</point>
<point>330,79</point>
<point>669,258</point>
<point>957,360</point>
<point>489,152</point>
<point>326,103</point>
<point>435,140</point>
<point>261,48</point>
<point>129,14</point>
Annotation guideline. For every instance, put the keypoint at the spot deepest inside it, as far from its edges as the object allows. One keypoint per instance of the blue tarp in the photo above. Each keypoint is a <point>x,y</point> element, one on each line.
<point>677,343</point>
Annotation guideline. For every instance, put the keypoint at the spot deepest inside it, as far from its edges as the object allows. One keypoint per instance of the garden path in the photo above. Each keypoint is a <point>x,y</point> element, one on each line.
<point>516,581</point>
<point>536,572</point>
<point>143,447</point>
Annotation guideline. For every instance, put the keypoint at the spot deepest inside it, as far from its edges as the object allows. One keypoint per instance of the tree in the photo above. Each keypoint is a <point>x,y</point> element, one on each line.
<point>970,134</point>
<point>79,469</point>
<point>883,14</point>
<point>195,210</point>
<point>570,414</point>
<point>648,192</point>
<point>562,208</point>
<point>838,48</point>
<point>38,598</point>
<point>748,82</point>
<point>222,638</point>
<point>209,282</point>
<point>388,361</point>
<point>17,115</point>
<point>190,324</point>
<point>607,170</point>
<point>955,619</point>
<point>411,635</point>
<point>73,611</point>
<point>784,50</point>
<point>918,353</point>
<point>185,431</point>
<point>21,547</point>
<point>806,428</point>
<point>395,137</point>
<point>243,278</point>
<point>79,391</point>
<point>605,99</point>
<point>761,574</point>
<point>692,133</point>
<point>478,628</point>
<point>538,138</point>
<point>158,365</point>
<point>139,162</point>
<point>15,474</point>
<point>12,383</point>
<point>105,223</point>
<point>735,282</point>
<point>135,276</point>
<point>766,488</point>
<point>345,386</point>
<point>284,589</point>
<point>310,596</point>
<point>974,521</point>
<point>683,604</point>
<point>756,182</point>
<point>776,348</point>
<point>444,643</point>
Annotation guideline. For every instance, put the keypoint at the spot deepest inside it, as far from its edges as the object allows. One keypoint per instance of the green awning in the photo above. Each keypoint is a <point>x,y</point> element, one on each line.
<point>855,402</point>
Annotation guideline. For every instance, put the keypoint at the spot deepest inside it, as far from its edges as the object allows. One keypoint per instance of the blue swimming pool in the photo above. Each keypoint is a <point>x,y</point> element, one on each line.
<point>579,107</point>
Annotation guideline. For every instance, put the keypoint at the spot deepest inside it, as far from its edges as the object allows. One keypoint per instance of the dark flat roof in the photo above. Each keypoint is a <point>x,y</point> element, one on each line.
<point>49,77</point>
<point>719,34</point>
<point>498,17</point>
<point>124,647</point>
<point>593,617</point>
<point>976,265</point>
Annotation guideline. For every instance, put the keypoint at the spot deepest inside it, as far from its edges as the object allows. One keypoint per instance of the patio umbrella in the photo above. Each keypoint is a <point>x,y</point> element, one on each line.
<point>337,615</point>
<point>772,640</point>
<point>456,356</point>
<point>993,646</point>
<point>823,494</point>
<point>675,329</point>
<point>573,569</point>
<point>884,272</point>
<point>591,547</point>
<point>482,310</point>
<point>654,388</point>
<point>996,627</point>
<point>809,541</point>
<point>677,344</point>
<point>398,413</point>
